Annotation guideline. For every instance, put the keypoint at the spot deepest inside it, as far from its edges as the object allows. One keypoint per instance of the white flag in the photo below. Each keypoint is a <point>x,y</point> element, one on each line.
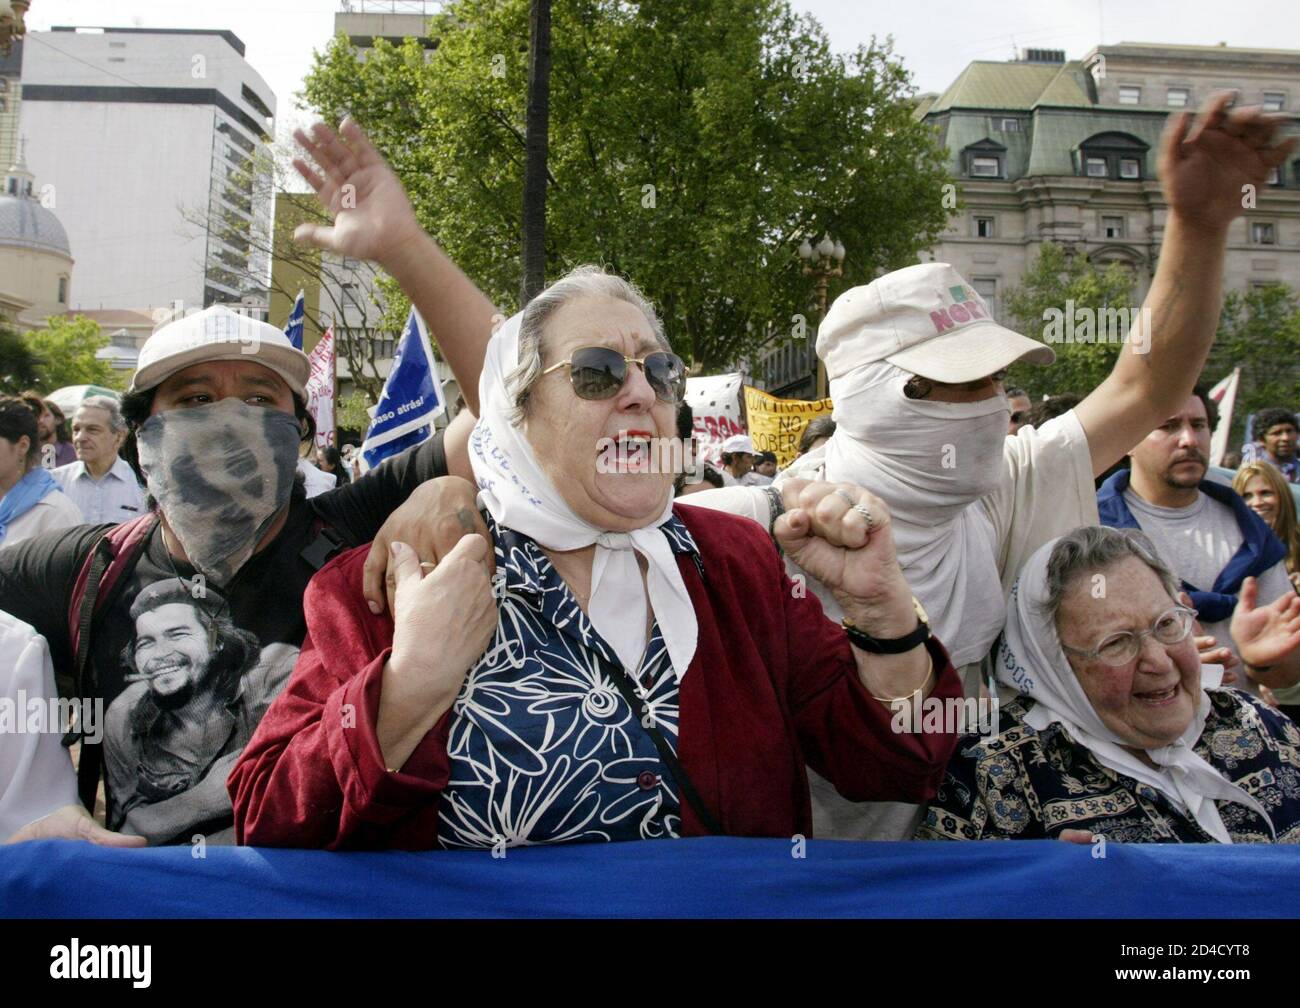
<point>320,388</point>
<point>1225,395</point>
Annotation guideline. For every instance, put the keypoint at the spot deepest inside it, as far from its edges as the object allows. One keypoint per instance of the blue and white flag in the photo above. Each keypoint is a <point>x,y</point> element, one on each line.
<point>410,400</point>
<point>293,328</point>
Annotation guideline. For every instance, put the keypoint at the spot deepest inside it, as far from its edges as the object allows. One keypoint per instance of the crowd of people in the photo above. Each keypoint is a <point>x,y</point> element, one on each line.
<point>498,638</point>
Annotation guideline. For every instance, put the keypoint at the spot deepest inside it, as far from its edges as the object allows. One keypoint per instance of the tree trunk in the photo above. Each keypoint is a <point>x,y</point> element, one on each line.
<point>537,128</point>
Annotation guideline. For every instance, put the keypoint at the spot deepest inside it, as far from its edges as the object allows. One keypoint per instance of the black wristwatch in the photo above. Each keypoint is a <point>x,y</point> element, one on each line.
<point>893,645</point>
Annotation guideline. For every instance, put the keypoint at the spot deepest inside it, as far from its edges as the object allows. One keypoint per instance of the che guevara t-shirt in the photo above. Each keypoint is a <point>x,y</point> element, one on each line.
<point>185,669</point>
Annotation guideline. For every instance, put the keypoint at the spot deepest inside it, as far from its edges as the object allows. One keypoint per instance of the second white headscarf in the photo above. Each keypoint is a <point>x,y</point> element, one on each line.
<point>1031,661</point>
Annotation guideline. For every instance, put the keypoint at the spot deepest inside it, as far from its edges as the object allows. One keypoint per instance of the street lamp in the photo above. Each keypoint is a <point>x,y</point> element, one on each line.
<point>824,261</point>
<point>11,21</point>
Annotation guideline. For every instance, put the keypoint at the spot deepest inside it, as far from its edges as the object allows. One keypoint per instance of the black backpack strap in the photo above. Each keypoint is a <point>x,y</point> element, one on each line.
<point>90,760</point>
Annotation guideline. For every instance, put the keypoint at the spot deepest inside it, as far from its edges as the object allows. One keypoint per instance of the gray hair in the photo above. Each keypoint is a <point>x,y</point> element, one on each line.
<point>1092,548</point>
<point>115,422</point>
<point>582,281</point>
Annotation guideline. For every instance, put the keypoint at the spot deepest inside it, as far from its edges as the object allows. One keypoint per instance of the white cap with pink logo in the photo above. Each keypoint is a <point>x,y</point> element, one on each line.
<point>925,319</point>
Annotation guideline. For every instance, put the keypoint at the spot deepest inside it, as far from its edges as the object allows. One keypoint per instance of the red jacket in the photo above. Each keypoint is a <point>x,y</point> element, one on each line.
<point>773,684</point>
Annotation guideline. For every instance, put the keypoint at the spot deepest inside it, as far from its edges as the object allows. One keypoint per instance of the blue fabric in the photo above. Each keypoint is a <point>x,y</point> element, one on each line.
<point>25,495</point>
<point>1260,549</point>
<point>698,877</point>
<point>543,747</point>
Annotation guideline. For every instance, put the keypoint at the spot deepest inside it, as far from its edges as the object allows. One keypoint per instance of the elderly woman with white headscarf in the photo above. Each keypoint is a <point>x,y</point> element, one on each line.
<point>1117,729</point>
<point>632,670</point>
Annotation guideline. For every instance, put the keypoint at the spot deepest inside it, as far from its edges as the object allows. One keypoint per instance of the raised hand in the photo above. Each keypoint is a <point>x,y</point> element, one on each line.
<point>1205,163</point>
<point>1267,634</point>
<point>373,218</point>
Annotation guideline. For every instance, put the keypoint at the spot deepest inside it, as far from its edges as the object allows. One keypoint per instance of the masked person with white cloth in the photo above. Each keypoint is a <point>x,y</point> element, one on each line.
<point>1117,729</point>
<point>915,362</point>
<point>634,670</point>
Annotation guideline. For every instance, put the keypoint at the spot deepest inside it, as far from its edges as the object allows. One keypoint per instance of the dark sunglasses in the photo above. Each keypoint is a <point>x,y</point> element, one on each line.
<point>599,372</point>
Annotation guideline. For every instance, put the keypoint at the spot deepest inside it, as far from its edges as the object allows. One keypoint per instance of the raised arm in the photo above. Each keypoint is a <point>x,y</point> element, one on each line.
<point>1204,169</point>
<point>374,220</point>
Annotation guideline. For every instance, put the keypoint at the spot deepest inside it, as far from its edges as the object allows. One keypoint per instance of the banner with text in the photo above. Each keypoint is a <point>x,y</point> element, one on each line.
<point>715,404</point>
<point>777,424</point>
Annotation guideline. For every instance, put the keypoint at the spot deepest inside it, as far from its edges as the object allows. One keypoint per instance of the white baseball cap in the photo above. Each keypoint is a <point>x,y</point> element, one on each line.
<point>217,333</point>
<point>925,319</point>
<point>738,443</point>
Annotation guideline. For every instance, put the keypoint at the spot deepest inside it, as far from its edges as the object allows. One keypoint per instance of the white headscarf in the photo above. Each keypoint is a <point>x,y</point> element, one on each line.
<point>519,496</point>
<point>1031,661</point>
<point>929,462</point>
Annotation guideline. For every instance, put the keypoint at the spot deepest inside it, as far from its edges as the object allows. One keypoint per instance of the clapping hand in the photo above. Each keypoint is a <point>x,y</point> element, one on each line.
<point>1265,634</point>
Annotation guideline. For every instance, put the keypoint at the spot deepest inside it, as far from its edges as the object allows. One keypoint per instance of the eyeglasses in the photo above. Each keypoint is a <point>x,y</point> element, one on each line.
<point>1019,416</point>
<point>599,372</point>
<point>1121,648</point>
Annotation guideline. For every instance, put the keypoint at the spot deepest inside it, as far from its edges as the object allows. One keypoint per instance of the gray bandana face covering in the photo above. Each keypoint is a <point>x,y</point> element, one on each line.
<point>220,473</point>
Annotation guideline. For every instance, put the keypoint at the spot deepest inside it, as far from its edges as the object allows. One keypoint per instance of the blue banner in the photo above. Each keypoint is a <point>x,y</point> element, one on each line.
<point>293,328</point>
<point>410,400</point>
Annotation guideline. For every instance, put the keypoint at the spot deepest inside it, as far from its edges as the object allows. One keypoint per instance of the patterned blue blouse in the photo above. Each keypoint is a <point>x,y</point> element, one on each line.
<point>543,747</point>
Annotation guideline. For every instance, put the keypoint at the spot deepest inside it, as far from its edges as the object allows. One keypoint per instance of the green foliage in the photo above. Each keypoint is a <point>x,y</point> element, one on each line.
<point>20,367</point>
<point>63,353</point>
<point>350,411</point>
<point>1053,279</point>
<point>1259,332</point>
<point>67,349</point>
<point>692,146</point>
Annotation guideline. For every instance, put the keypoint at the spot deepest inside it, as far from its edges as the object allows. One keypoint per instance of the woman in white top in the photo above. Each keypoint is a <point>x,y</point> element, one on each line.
<point>31,502</point>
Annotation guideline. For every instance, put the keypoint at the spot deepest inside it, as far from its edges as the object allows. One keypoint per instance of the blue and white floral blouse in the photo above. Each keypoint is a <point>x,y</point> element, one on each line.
<point>543,747</point>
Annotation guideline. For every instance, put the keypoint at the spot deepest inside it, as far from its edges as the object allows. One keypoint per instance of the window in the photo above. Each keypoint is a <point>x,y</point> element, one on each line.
<point>1274,101</point>
<point>985,167</point>
<point>3,103</point>
<point>1261,233</point>
<point>4,85</point>
<point>63,290</point>
<point>1129,94</point>
<point>1096,167</point>
<point>117,59</point>
<point>1130,168</point>
<point>987,288</point>
<point>117,45</point>
<point>1009,125</point>
<point>1275,175</point>
<point>983,227</point>
<point>1178,97</point>
<point>1112,227</point>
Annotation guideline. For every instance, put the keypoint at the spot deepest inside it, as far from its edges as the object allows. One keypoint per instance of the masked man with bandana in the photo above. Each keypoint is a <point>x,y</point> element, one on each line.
<point>217,409</point>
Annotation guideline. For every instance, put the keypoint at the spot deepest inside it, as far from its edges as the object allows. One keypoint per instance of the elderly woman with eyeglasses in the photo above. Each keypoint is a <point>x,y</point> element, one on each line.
<point>1118,729</point>
<point>632,670</point>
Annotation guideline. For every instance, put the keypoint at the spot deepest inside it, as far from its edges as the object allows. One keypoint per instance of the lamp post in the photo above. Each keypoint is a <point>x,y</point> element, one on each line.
<point>823,261</point>
<point>11,21</point>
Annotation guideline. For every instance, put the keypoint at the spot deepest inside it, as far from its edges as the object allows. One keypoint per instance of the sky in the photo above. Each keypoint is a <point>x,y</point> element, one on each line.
<point>934,38</point>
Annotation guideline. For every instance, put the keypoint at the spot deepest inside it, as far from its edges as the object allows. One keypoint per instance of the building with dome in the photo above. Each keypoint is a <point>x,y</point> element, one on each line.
<point>35,258</point>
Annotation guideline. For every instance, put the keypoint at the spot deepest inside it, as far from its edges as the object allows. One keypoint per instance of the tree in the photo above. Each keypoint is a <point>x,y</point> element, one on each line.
<point>1062,286</point>
<point>1259,332</point>
<point>692,146</point>
<point>20,367</point>
<point>66,348</point>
